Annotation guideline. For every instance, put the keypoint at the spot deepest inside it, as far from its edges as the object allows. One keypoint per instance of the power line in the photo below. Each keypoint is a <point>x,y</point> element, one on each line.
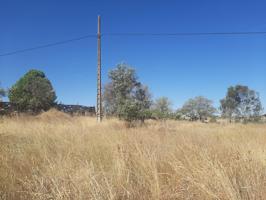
<point>187,34</point>
<point>135,35</point>
<point>47,45</point>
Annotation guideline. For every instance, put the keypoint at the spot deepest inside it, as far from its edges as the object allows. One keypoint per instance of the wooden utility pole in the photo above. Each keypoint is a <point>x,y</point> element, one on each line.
<point>99,78</point>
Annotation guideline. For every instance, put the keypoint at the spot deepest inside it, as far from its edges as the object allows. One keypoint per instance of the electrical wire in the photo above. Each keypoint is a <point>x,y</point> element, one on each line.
<point>46,45</point>
<point>187,34</point>
<point>134,35</point>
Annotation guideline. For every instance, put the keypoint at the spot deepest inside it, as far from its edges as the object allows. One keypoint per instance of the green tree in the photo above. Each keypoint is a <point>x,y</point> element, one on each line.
<point>162,108</point>
<point>123,80</point>
<point>129,110</point>
<point>124,96</point>
<point>142,97</point>
<point>32,93</point>
<point>230,103</point>
<point>198,108</point>
<point>241,102</point>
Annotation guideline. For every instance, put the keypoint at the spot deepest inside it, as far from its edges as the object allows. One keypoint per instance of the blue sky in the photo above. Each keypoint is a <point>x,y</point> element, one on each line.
<point>176,67</point>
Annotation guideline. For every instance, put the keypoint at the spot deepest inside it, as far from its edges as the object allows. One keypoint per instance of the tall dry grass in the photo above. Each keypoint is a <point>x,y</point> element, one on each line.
<point>54,156</point>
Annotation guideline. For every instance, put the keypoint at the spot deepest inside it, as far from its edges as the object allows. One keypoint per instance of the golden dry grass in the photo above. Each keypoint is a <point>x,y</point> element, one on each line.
<point>54,156</point>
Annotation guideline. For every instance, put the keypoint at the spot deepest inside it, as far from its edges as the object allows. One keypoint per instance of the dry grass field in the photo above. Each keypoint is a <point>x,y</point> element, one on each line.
<point>54,156</point>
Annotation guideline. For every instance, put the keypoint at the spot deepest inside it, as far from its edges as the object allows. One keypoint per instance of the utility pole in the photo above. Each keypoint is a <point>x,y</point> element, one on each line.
<point>99,78</point>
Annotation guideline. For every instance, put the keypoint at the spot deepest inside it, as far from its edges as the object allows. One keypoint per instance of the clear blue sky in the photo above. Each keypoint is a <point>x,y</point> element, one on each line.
<point>176,67</point>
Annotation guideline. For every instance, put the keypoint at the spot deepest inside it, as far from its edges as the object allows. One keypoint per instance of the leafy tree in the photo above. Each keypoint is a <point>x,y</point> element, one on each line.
<point>137,106</point>
<point>230,103</point>
<point>241,102</point>
<point>198,108</point>
<point>129,110</point>
<point>124,96</point>
<point>33,92</point>
<point>144,102</point>
<point>110,104</point>
<point>123,80</point>
<point>162,108</point>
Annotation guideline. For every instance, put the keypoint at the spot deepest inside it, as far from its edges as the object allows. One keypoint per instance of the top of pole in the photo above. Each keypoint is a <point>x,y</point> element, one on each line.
<point>99,24</point>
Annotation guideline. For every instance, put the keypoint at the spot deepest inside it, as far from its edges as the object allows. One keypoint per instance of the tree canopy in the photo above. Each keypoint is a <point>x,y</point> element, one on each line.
<point>126,97</point>
<point>198,108</point>
<point>241,102</point>
<point>33,92</point>
<point>162,108</point>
